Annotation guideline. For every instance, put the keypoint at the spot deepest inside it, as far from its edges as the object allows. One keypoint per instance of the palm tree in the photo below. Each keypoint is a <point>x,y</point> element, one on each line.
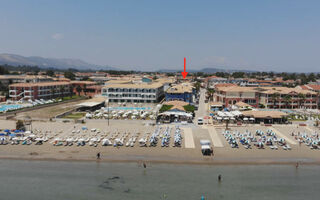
<point>287,100</point>
<point>302,98</point>
<point>53,91</point>
<point>62,90</point>
<point>71,90</point>
<point>275,97</point>
<point>79,89</point>
<point>85,89</point>
<point>210,93</point>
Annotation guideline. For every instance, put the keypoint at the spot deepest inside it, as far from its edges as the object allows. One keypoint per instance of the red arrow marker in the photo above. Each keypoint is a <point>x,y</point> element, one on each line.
<point>184,73</point>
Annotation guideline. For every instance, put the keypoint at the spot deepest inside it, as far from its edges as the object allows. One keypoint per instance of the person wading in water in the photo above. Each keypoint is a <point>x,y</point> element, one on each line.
<point>98,155</point>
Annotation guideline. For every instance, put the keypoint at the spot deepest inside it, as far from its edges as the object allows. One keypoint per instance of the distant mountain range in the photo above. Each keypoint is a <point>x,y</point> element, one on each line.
<point>57,63</point>
<point>66,63</point>
<point>208,70</point>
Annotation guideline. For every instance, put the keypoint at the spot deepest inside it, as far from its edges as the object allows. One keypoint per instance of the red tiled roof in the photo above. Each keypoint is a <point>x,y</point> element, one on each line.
<point>315,87</point>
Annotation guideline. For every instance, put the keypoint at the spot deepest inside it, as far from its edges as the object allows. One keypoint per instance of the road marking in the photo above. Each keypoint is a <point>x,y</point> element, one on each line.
<point>188,138</point>
<point>284,136</point>
<point>214,137</point>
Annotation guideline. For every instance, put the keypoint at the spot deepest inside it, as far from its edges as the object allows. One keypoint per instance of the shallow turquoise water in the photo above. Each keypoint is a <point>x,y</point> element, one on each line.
<point>6,107</point>
<point>129,108</point>
<point>91,180</point>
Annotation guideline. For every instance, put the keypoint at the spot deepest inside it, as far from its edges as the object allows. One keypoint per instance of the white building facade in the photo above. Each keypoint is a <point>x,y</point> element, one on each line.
<point>135,93</point>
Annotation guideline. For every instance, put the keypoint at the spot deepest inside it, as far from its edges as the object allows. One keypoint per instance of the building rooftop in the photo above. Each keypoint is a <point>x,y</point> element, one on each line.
<point>285,90</point>
<point>39,84</point>
<point>134,85</point>
<point>23,76</point>
<point>119,81</point>
<point>310,87</point>
<point>266,90</point>
<point>237,89</point>
<point>242,104</point>
<point>264,114</point>
<point>181,88</point>
<point>83,82</point>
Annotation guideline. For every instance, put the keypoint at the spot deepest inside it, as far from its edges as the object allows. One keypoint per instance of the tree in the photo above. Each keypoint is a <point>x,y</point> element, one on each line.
<point>275,97</point>
<point>62,90</point>
<point>53,91</point>
<point>165,108</point>
<point>287,100</point>
<point>20,125</point>
<point>79,89</point>
<point>210,93</point>
<point>71,90</point>
<point>311,77</point>
<point>50,73</point>
<point>85,89</point>
<point>238,74</point>
<point>189,108</point>
<point>302,98</point>
<point>197,85</point>
<point>3,70</point>
<point>69,75</point>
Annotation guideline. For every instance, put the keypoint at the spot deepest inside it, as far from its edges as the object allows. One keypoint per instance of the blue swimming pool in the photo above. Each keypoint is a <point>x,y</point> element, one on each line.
<point>282,110</point>
<point>129,108</point>
<point>8,107</point>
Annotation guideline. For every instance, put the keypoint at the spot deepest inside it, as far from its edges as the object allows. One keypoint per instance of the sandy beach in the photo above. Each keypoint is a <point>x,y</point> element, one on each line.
<point>188,153</point>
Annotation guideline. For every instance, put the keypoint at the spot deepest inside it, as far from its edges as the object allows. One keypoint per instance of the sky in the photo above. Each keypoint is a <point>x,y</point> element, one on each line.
<point>264,35</point>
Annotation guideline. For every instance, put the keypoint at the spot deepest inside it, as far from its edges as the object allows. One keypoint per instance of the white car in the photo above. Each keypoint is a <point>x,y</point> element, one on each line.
<point>200,121</point>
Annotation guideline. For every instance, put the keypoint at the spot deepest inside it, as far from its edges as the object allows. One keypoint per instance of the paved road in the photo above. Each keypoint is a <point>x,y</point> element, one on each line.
<point>203,107</point>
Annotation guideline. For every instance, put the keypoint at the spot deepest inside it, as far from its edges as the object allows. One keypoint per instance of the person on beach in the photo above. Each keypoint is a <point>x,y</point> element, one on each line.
<point>297,165</point>
<point>219,178</point>
<point>98,155</point>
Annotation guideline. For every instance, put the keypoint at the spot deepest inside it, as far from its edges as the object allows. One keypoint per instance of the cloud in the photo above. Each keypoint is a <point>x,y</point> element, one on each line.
<point>57,36</point>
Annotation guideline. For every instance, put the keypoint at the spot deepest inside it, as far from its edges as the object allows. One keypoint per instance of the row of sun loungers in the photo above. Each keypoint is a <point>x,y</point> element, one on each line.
<point>94,137</point>
<point>260,139</point>
<point>311,140</point>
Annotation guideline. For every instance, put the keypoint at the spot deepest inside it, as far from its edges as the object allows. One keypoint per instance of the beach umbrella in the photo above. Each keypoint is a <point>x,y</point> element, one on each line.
<point>17,131</point>
<point>7,130</point>
<point>69,139</point>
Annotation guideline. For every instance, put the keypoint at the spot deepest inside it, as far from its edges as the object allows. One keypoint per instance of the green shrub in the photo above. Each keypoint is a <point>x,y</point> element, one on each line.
<point>165,108</point>
<point>189,108</point>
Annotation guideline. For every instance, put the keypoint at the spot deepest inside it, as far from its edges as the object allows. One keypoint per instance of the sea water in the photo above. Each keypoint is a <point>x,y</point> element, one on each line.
<point>96,180</point>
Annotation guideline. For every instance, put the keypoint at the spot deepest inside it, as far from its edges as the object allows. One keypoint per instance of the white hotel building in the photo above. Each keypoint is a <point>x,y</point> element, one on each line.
<point>134,92</point>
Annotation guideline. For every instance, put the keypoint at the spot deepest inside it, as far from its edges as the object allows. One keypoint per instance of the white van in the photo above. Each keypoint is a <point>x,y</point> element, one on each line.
<point>200,121</point>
